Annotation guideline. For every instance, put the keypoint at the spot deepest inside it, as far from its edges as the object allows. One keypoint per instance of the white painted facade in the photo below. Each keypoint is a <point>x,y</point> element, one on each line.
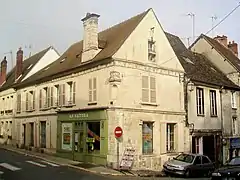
<point>124,99</point>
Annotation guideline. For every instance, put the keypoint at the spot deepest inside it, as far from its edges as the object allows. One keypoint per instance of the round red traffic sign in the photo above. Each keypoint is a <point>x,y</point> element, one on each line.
<point>118,132</point>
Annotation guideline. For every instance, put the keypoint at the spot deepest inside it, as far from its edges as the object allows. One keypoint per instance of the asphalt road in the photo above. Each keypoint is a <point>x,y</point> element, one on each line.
<point>20,167</point>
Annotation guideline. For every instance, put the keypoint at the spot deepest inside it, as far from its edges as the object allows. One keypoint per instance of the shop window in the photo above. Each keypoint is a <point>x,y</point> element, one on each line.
<point>147,138</point>
<point>93,136</point>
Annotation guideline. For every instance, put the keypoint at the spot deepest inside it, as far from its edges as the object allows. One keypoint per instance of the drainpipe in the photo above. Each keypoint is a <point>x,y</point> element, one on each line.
<point>222,125</point>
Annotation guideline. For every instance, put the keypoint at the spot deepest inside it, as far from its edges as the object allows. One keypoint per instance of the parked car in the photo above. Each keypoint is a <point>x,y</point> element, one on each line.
<point>229,171</point>
<point>187,164</point>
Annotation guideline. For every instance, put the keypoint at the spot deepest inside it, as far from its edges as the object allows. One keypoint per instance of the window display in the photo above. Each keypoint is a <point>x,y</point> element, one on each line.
<point>93,136</point>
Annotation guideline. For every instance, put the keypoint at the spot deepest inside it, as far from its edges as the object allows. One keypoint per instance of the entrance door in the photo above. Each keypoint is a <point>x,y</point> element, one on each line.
<point>24,134</point>
<point>31,134</point>
<point>43,134</point>
<point>208,147</point>
<point>79,143</point>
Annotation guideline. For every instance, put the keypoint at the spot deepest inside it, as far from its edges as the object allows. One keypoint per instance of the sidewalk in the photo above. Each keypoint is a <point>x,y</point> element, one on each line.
<point>82,166</point>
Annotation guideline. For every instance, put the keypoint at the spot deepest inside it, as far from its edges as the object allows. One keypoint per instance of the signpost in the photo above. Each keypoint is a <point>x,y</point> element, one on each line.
<point>118,133</point>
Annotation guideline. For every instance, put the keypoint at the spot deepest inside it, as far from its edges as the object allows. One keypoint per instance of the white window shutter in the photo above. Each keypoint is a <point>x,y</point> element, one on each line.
<point>152,90</point>
<point>145,89</point>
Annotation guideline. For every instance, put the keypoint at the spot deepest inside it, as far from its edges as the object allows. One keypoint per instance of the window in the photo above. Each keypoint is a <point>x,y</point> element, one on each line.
<point>213,103</point>
<point>71,92</point>
<point>198,160</point>
<point>170,137</point>
<point>205,160</point>
<point>197,140</point>
<point>33,100</point>
<point>93,137</point>
<point>200,101</point>
<point>234,126</point>
<point>151,47</point>
<point>19,103</point>
<point>147,138</point>
<point>92,90</point>
<point>148,89</point>
<point>57,95</point>
<point>51,97</point>
<point>48,97</point>
<point>233,100</point>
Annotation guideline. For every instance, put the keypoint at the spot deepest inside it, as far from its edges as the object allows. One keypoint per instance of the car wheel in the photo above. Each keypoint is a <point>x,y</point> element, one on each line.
<point>187,173</point>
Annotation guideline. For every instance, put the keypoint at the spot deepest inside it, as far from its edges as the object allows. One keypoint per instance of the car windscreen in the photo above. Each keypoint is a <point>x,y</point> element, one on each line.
<point>185,158</point>
<point>234,161</point>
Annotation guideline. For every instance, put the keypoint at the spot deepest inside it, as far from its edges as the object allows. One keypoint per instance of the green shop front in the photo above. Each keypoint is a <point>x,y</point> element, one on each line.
<point>82,136</point>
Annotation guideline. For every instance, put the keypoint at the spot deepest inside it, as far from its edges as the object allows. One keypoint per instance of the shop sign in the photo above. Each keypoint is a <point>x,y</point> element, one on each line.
<point>235,143</point>
<point>67,136</point>
<point>78,115</point>
<point>127,159</point>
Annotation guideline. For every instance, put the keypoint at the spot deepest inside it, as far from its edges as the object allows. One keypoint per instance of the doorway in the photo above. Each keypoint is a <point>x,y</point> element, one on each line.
<point>43,134</point>
<point>31,134</point>
<point>24,134</point>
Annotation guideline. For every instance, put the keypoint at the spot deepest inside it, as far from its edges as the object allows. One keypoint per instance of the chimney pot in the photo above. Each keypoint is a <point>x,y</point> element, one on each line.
<point>222,40</point>
<point>19,63</point>
<point>233,47</point>
<point>3,74</point>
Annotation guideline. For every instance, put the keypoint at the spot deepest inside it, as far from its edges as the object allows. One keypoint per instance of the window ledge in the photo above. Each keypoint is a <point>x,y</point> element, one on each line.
<point>201,115</point>
<point>148,155</point>
<point>149,104</point>
<point>92,103</point>
<point>234,108</point>
<point>214,116</point>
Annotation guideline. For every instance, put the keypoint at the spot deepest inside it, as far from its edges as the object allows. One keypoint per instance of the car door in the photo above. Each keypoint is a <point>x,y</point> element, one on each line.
<point>207,164</point>
<point>197,165</point>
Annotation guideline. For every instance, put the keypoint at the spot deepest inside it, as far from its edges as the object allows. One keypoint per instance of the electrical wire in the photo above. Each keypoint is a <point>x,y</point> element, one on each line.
<point>220,22</point>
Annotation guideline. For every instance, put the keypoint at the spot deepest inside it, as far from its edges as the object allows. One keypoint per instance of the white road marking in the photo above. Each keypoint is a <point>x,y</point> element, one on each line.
<point>10,167</point>
<point>51,164</point>
<point>37,164</point>
<point>1,172</point>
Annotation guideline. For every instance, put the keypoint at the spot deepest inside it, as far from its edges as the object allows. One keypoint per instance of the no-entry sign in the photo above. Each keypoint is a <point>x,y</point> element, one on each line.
<point>118,132</point>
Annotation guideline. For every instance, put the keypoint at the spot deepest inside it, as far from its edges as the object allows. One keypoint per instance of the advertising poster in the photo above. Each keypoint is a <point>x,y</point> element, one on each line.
<point>67,136</point>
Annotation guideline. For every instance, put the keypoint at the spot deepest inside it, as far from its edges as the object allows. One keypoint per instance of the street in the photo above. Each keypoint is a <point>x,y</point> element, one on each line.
<point>23,167</point>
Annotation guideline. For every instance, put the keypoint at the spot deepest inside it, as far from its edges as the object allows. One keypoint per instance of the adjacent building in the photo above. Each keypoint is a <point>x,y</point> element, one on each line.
<point>127,76</point>
<point>207,96</point>
<point>8,98</point>
<point>224,55</point>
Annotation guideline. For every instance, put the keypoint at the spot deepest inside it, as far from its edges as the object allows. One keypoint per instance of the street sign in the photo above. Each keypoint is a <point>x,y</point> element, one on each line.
<point>118,132</point>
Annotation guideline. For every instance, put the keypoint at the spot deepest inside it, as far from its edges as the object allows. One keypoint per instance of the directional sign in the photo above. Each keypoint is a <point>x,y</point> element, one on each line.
<point>118,132</point>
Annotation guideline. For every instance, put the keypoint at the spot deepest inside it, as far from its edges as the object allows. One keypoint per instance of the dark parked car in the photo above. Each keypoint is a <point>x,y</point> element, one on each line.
<point>230,171</point>
<point>189,164</point>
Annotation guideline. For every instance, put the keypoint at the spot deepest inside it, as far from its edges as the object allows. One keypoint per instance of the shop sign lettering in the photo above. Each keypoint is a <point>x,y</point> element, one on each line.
<point>79,115</point>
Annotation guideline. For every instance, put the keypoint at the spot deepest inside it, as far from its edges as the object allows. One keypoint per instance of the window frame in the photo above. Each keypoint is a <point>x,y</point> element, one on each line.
<point>150,89</point>
<point>233,100</point>
<point>213,103</point>
<point>200,101</point>
<point>170,137</point>
<point>150,125</point>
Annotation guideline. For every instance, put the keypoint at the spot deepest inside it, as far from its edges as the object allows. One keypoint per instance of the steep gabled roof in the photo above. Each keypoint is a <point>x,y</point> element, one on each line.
<point>110,40</point>
<point>221,49</point>
<point>197,67</point>
<point>28,64</point>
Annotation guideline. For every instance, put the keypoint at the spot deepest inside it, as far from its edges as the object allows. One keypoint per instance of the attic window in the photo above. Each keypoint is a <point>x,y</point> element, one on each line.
<point>46,68</point>
<point>213,69</point>
<point>62,60</point>
<point>29,66</point>
<point>188,60</point>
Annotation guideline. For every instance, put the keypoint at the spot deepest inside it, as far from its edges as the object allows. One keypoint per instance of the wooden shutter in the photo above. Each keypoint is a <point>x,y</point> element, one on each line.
<point>90,90</point>
<point>152,89</point>
<point>163,138</point>
<point>27,105</point>
<point>145,89</point>
<point>94,90</point>
<point>51,98</point>
<point>63,95</point>
<point>74,93</point>
<point>33,100</point>
<point>60,95</point>
<point>48,97</point>
<point>40,99</point>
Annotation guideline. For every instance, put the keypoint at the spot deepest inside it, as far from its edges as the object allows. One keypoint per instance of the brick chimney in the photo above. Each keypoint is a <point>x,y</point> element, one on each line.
<point>222,39</point>
<point>234,47</point>
<point>3,74</point>
<point>19,63</point>
<point>90,36</point>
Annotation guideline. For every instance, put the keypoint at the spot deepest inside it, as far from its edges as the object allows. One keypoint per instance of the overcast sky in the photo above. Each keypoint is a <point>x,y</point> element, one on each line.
<point>42,23</point>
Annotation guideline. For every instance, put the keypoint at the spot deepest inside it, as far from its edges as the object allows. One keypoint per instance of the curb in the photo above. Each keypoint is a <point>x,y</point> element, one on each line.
<point>68,165</point>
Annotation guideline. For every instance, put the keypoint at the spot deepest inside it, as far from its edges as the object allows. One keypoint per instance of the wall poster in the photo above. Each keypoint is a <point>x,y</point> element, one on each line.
<point>67,136</point>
